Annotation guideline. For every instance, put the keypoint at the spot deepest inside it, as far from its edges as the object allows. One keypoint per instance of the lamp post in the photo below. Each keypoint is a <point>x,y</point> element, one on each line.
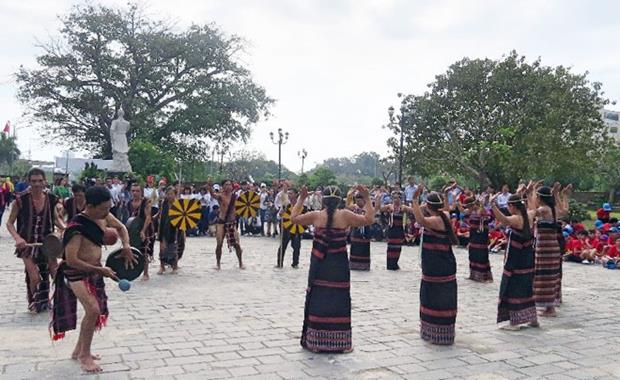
<point>302,154</point>
<point>282,139</point>
<point>400,150</point>
<point>221,150</point>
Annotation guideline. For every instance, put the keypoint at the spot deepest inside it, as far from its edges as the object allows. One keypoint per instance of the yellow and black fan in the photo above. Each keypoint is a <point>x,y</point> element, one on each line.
<point>290,226</point>
<point>185,213</point>
<point>247,204</point>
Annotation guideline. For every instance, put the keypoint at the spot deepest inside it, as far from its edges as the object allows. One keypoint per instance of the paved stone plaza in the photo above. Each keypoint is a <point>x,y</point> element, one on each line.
<point>204,324</point>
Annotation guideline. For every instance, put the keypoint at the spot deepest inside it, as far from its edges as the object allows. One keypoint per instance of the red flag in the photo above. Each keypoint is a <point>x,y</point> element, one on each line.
<point>7,127</point>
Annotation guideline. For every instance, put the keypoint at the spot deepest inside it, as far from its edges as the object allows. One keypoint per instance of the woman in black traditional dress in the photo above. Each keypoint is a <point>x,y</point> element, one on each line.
<point>396,231</point>
<point>327,313</point>
<point>477,218</point>
<point>548,254</point>
<point>516,299</point>
<point>438,289</point>
<point>360,237</point>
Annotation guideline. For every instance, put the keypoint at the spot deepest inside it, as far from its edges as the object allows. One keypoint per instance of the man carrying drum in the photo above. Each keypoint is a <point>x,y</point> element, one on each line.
<point>34,212</point>
<point>80,276</point>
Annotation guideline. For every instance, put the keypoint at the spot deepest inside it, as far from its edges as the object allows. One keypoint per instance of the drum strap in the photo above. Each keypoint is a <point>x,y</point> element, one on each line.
<point>231,207</point>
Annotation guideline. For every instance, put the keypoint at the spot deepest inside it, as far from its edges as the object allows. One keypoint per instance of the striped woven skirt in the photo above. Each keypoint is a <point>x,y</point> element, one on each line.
<point>548,261</point>
<point>479,265</point>
<point>516,300</point>
<point>327,313</point>
<point>438,289</point>
<point>360,253</point>
<point>395,240</point>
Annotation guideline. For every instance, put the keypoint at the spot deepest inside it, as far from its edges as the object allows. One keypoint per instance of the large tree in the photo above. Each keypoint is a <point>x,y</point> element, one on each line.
<point>177,87</point>
<point>504,120</point>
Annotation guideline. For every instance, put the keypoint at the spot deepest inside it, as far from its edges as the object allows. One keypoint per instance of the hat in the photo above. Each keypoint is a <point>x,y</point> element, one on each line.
<point>614,230</point>
<point>568,228</point>
<point>604,237</point>
<point>606,207</point>
<point>566,234</point>
<point>606,227</point>
<point>263,184</point>
<point>598,223</point>
<point>216,187</point>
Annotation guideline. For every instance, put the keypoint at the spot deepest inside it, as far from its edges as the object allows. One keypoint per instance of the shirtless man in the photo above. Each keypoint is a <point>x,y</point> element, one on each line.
<point>80,275</point>
<point>226,225</point>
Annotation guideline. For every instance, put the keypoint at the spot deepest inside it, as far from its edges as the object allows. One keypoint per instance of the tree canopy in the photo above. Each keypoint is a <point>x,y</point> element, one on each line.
<point>504,120</point>
<point>178,88</point>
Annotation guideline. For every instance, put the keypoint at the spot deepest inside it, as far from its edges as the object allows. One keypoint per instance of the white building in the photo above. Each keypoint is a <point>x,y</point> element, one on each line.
<point>612,120</point>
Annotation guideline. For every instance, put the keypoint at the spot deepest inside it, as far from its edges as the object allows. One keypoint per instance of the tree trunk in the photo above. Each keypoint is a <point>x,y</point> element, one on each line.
<point>612,195</point>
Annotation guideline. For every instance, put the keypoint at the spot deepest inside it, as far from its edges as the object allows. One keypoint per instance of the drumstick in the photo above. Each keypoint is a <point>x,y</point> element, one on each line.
<point>34,244</point>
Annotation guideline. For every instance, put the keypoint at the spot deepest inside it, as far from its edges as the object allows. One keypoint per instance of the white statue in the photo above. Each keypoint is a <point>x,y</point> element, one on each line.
<point>120,148</point>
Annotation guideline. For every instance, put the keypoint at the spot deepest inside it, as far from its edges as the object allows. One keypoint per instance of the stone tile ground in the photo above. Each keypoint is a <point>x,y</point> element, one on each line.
<point>204,324</point>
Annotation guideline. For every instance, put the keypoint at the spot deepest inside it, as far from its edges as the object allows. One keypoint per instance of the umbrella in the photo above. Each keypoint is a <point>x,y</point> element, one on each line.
<point>290,226</point>
<point>247,204</point>
<point>185,213</point>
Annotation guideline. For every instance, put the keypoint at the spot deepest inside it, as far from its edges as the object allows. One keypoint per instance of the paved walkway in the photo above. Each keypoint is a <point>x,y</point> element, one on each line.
<point>204,324</point>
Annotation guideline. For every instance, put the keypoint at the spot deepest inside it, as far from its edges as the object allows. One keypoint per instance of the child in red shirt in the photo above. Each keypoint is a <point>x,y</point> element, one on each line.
<point>497,239</point>
<point>612,253</point>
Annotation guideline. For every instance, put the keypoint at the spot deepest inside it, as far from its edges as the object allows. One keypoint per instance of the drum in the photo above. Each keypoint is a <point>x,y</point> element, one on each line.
<point>134,226</point>
<point>117,264</point>
<point>52,246</point>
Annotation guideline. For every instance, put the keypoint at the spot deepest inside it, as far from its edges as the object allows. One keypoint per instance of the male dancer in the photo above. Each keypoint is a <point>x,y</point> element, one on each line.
<point>80,275</point>
<point>34,212</point>
<point>226,222</point>
<point>140,207</point>
<point>289,198</point>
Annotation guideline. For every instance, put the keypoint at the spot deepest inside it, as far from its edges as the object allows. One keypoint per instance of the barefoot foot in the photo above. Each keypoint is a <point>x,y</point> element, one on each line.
<point>74,356</point>
<point>88,365</point>
<point>145,277</point>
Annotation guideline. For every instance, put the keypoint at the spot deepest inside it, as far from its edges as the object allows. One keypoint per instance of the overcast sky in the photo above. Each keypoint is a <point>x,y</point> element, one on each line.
<point>335,66</point>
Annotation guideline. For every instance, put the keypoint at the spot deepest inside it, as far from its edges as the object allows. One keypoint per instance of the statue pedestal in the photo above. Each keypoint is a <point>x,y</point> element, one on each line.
<point>120,162</point>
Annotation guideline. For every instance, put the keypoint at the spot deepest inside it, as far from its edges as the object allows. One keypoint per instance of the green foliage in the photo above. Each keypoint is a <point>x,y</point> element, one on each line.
<point>322,176</point>
<point>9,153</point>
<point>177,87</point>
<point>148,159</point>
<point>502,121</point>
<point>577,212</point>
<point>302,180</point>
<point>361,168</point>
<point>376,181</point>
<point>91,171</point>
<point>246,163</point>
<point>437,182</point>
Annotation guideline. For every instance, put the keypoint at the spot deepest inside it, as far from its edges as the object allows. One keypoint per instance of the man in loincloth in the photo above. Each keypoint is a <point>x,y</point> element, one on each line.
<point>80,275</point>
<point>226,224</point>
<point>34,210</point>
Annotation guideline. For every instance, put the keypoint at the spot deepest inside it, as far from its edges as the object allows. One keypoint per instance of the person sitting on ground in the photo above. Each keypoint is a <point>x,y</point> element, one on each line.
<point>579,249</point>
<point>497,238</point>
<point>462,231</point>
<point>611,253</point>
